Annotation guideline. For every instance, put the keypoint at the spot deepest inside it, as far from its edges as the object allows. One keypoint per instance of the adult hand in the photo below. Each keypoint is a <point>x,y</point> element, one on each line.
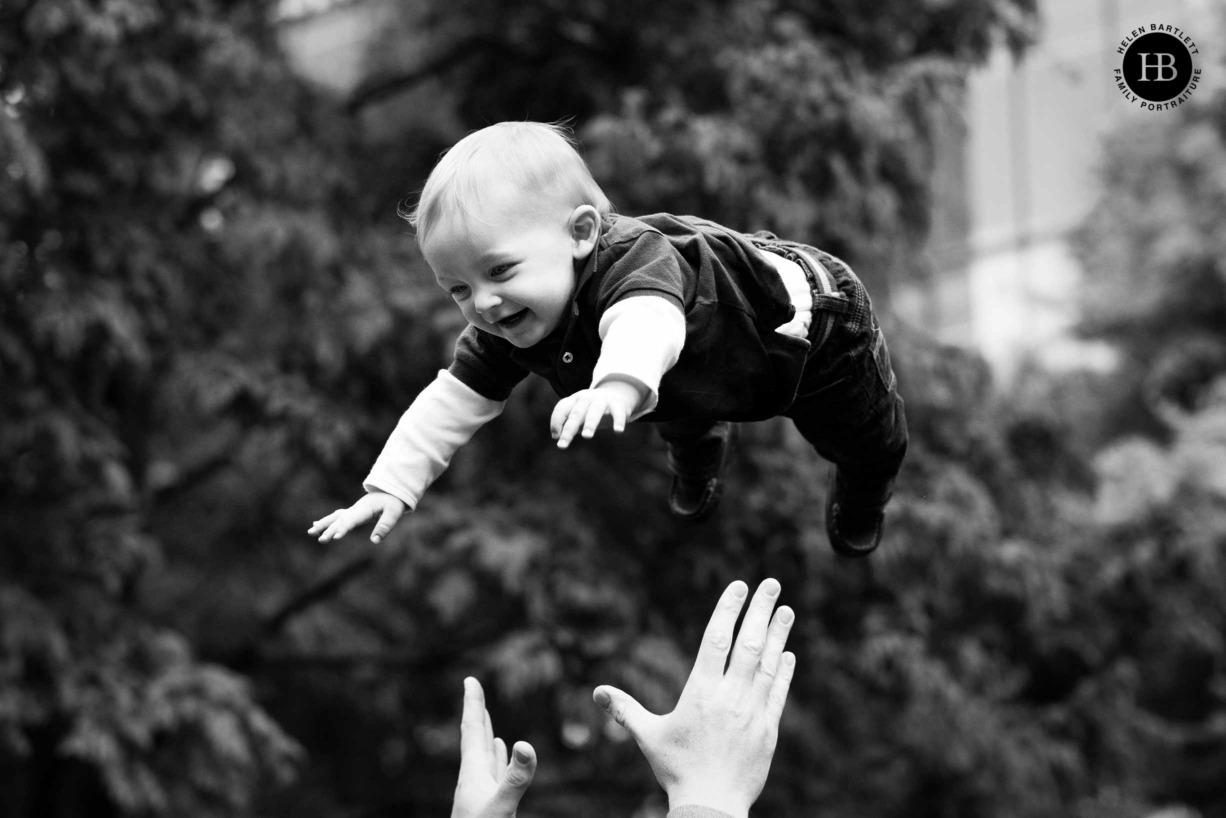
<point>488,786</point>
<point>375,504</point>
<point>714,750</point>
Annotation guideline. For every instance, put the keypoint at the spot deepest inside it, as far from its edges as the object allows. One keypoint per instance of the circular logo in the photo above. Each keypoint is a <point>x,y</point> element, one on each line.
<point>1158,69</point>
<point>1157,66</point>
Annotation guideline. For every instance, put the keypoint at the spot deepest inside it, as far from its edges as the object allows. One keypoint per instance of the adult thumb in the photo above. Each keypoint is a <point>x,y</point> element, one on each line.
<point>622,707</point>
<point>515,780</point>
<point>387,519</point>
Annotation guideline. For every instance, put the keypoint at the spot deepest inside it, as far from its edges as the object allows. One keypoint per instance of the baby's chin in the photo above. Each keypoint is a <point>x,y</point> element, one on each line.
<point>525,339</point>
<point>528,334</point>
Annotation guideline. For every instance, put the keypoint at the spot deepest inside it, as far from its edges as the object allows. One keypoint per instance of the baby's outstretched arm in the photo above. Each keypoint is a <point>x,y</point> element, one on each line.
<point>441,420</point>
<point>340,522</point>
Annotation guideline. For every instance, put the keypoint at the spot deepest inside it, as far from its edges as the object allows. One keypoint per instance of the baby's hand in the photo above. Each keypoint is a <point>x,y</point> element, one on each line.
<point>376,504</point>
<point>586,410</point>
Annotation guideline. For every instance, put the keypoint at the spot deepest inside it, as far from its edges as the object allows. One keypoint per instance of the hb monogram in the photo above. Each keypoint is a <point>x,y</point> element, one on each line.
<point>1164,62</point>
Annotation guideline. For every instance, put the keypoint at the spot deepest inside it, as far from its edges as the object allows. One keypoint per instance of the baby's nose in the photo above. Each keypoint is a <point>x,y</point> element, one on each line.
<point>486,300</point>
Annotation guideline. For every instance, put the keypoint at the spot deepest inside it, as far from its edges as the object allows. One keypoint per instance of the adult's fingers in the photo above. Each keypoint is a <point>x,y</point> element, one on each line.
<point>623,708</point>
<point>522,767</point>
<point>751,642</point>
<point>717,638</point>
<point>776,638</point>
<point>519,774</point>
<point>778,695</point>
<point>474,751</point>
<point>389,517</point>
<point>491,749</point>
<point>500,756</point>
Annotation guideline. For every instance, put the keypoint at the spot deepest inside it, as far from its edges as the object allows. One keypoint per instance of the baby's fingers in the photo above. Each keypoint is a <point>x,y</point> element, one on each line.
<point>617,413</point>
<point>337,530</point>
<point>345,520</point>
<point>595,413</point>
<point>560,413</point>
<point>574,421</point>
<point>324,522</point>
<point>389,517</point>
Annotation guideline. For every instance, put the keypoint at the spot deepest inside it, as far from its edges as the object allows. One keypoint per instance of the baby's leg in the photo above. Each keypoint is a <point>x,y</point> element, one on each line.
<point>847,404</point>
<point>850,411</point>
<point>699,451</point>
<point>867,452</point>
<point>848,408</point>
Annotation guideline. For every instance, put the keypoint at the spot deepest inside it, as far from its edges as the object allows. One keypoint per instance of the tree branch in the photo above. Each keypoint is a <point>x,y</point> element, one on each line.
<point>199,471</point>
<point>312,595</point>
<point>383,85</point>
<point>386,84</point>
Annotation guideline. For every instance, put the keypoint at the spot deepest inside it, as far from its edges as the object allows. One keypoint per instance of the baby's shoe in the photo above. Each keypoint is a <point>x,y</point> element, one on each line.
<point>853,518</point>
<point>698,469</point>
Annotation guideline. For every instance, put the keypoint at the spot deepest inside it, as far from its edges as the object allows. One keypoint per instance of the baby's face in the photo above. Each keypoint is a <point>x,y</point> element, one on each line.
<point>511,270</point>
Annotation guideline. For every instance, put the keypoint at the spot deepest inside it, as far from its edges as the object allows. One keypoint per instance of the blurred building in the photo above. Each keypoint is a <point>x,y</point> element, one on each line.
<point>1015,171</point>
<point>1018,174</point>
<point>326,39</point>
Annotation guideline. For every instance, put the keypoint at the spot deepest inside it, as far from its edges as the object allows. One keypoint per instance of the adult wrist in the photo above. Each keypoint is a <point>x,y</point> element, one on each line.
<point>694,811</point>
<point>698,811</point>
<point>706,802</point>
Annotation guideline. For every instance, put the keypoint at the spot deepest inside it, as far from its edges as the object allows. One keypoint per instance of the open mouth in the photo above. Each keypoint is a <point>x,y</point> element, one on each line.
<point>512,321</point>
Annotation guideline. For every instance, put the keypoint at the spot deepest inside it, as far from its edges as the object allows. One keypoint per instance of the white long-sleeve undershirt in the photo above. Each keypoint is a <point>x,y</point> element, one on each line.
<point>442,418</point>
<point>640,339</point>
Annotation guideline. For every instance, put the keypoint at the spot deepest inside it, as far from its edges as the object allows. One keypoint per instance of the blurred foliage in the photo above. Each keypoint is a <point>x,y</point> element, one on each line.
<point>809,119</point>
<point>211,317</point>
<point>1156,285</point>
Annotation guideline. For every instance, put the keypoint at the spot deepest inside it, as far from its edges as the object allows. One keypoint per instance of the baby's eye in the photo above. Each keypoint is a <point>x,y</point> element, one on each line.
<point>458,291</point>
<point>499,270</point>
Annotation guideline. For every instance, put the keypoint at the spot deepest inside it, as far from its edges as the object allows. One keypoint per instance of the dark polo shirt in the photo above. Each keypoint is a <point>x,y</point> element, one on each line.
<point>734,366</point>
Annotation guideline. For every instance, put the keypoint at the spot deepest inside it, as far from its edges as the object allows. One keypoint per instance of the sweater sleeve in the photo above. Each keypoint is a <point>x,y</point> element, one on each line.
<point>641,339</point>
<point>444,416</point>
<point>691,811</point>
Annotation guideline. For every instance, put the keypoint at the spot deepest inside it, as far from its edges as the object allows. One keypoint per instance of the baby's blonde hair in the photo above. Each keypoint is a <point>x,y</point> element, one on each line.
<point>537,158</point>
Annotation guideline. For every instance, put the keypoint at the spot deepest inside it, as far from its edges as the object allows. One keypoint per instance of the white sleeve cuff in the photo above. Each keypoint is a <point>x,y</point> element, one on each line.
<point>641,339</point>
<point>442,418</point>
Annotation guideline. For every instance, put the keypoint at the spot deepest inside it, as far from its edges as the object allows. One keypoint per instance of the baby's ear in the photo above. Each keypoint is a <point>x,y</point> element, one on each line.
<point>584,230</point>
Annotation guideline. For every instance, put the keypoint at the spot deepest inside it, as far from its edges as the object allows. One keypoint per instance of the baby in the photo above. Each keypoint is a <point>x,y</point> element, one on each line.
<point>669,319</point>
